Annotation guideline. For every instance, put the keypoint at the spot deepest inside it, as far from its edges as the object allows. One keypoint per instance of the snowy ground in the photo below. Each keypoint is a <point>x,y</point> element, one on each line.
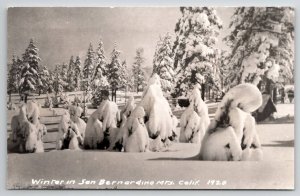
<point>176,165</point>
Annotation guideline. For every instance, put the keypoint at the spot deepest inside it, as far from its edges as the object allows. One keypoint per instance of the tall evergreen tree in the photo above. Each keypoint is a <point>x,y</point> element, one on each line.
<point>196,34</point>
<point>30,68</point>
<point>163,63</point>
<point>138,73</point>
<point>64,75</point>
<point>58,82</point>
<point>71,75</point>
<point>262,46</point>
<point>113,72</point>
<point>44,82</point>
<point>77,73</point>
<point>123,75</point>
<point>100,62</point>
<point>14,76</point>
<point>88,67</point>
<point>100,81</point>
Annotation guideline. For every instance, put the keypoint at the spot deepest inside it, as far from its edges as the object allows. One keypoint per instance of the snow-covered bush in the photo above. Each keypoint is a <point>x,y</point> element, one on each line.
<point>27,131</point>
<point>75,114</point>
<point>68,136</point>
<point>234,126</point>
<point>128,109</point>
<point>194,120</point>
<point>100,123</point>
<point>135,136</point>
<point>159,117</point>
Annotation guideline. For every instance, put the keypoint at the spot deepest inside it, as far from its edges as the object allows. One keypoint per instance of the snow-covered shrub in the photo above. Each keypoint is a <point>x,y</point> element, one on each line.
<point>234,126</point>
<point>159,117</point>
<point>27,131</point>
<point>75,113</point>
<point>221,145</point>
<point>128,109</point>
<point>48,102</point>
<point>136,137</point>
<point>194,120</point>
<point>99,124</point>
<point>69,136</point>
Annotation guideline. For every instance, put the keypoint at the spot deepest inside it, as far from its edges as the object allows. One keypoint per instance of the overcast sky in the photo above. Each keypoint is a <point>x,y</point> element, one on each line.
<point>62,32</point>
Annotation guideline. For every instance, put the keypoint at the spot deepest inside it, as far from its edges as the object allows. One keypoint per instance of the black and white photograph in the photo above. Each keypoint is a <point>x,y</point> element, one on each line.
<point>150,98</point>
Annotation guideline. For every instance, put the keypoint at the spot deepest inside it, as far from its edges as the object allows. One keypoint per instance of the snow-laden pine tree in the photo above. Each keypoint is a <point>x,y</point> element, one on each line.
<point>163,63</point>
<point>113,69</point>
<point>44,82</point>
<point>100,81</point>
<point>77,73</point>
<point>88,67</point>
<point>58,82</point>
<point>100,61</point>
<point>71,75</point>
<point>30,69</point>
<point>137,69</point>
<point>64,75</point>
<point>14,76</point>
<point>196,34</point>
<point>123,75</point>
<point>99,78</point>
<point>262,47</point>
<point>130,80</point>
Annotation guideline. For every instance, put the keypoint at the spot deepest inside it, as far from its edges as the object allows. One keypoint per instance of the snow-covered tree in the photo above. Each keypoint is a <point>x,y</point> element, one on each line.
<point>123,75</point>
<point>262,46</point>
<point>130,80</point>
<point>64,75</point>
<point>100,81</point>
<point>88,67</point>
<point>137,69</point>
<point>30,68</point>
<point>196,34</point>
<point>71,75</point>
<point>113,71</point>
<point>58,82</point>
<point>14,76</point>
<point>100,62</point>
<point>77,73</point>
<point>163,63</point>
<point>44,82</point>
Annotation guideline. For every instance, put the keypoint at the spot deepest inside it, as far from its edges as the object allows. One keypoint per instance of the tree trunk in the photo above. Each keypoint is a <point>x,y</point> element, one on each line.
<point>282,95</point>
<point>202,91</point>
<point>115,95</point>
<point>275,95</point>
<point>268,86</point>
<point>25,98</point>
<point>9,99</point>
